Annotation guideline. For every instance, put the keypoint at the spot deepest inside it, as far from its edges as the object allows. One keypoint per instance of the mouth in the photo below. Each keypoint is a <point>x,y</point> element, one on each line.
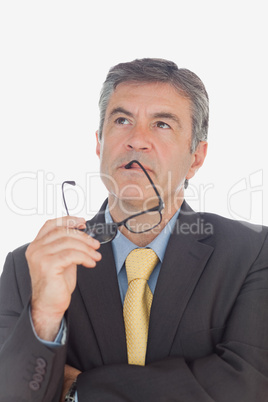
<point>133,166</point>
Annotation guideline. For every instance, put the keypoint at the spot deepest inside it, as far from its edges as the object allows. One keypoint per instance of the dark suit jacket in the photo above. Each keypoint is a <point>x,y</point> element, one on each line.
<point>208,334</point>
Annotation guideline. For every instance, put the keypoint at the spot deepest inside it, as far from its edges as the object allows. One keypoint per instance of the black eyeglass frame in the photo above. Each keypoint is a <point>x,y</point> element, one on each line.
<point>113,227</point>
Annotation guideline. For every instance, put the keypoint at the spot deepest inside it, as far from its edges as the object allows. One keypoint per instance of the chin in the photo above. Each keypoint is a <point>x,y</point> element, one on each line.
<point>129,203</point>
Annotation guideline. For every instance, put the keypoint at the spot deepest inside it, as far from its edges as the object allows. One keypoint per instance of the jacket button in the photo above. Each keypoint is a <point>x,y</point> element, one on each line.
<point>34,385</point>
<point>40,370</point>
<point>41,362</point>
<point>38,377</point>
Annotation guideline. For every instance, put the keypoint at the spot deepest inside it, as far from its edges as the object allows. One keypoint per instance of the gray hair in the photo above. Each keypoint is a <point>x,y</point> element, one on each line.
<point>187,83</point>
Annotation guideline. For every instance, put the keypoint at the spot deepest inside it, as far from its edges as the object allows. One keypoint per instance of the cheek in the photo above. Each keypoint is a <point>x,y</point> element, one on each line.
<point>105,151</point>
<point>177,166</point>
<point>110,145</point>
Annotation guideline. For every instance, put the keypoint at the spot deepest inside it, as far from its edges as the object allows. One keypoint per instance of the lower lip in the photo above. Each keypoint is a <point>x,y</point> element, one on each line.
<point>134,170</point>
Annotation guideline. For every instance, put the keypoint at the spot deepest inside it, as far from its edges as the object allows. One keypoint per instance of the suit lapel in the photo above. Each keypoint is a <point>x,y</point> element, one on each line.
<point>183,264</point>
<point>100,292</point>
<point>184,261</point>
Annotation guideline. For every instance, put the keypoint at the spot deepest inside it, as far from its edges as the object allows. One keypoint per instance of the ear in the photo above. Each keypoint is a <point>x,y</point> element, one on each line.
<point>198,159</point>
<point>97,144</point>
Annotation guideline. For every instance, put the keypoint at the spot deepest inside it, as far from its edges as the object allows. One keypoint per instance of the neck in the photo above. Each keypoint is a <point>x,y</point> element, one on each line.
<point>141,239</point>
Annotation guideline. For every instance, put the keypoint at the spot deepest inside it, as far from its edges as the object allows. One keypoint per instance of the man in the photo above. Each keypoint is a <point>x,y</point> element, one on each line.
<point>64,304</point>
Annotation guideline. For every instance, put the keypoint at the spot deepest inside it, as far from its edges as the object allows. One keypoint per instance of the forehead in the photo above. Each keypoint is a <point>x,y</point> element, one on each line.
<point>152,97</point>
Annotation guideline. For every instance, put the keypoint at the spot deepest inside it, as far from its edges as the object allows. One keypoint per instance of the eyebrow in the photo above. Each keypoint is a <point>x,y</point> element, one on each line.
<point>119,110</point>
<point>159,115</point>
<point>167,115</point>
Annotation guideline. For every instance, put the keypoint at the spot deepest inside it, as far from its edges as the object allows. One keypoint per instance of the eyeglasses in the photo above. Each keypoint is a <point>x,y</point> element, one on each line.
<point>106,232</point>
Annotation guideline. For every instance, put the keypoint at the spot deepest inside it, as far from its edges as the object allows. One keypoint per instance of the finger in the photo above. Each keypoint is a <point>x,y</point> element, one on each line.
<point>69,243</point>
<point>66,233</point>
<point>56,263</point>
<point>65,221</point>
<point>37,256</point>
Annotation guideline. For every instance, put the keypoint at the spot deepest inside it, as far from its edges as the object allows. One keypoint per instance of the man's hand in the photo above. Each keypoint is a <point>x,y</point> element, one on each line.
<point>53,258</point>
<point>70,375</point>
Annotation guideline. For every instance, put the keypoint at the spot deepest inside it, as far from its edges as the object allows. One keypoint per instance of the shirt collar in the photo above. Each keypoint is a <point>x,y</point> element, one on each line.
<point>122,246</point>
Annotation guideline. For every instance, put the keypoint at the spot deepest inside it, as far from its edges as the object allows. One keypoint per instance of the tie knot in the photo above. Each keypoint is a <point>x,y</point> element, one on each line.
<point>140,263</point>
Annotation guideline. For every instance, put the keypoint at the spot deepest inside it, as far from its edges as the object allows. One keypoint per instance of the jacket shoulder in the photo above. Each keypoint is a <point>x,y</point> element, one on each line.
<point>238,238</point>
<point>234,227</point>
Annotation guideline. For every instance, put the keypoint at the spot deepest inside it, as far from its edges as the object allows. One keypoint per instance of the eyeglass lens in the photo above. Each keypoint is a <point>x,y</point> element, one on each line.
<point>138,225</point>
<point>103,232</point>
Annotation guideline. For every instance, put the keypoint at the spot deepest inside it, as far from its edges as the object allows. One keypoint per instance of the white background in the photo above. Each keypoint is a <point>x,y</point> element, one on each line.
<point>55,56</point>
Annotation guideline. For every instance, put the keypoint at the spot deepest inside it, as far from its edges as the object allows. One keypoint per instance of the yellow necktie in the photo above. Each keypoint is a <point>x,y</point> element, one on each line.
<point>139,266</point>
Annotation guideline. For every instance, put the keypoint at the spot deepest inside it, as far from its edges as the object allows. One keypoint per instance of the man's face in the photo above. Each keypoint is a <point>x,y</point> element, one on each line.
<point>150,122</point>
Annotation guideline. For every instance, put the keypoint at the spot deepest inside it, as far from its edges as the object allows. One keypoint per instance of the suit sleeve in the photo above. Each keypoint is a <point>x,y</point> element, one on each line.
<point>29,370</point>
<point>236,371</point>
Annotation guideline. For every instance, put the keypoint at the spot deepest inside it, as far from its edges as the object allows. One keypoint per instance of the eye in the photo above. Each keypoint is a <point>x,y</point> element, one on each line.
<point>121,120</point>
<point>161,124</point>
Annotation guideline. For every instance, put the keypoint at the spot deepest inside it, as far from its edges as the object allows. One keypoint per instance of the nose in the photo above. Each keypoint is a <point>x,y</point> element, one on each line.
<point>139,140</point>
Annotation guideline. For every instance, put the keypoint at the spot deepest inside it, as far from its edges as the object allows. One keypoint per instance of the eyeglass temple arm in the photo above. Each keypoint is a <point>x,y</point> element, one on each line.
<point>128,166</point>
<point>72,183</point>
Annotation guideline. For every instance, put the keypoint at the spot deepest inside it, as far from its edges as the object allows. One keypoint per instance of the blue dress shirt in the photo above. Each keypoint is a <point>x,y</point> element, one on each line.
<point>122,247</point>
